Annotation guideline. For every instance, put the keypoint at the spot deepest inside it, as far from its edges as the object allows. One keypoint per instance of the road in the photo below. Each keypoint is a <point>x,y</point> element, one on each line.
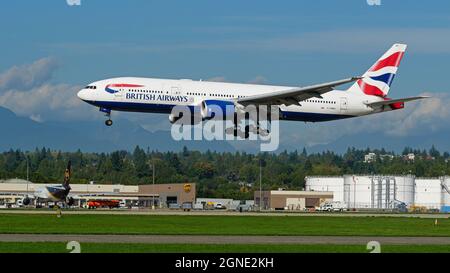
<point>223,213</point>
<point>201,239</point>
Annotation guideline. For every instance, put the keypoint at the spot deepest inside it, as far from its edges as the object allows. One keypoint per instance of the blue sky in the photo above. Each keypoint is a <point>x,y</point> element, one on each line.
<point>275,42</point>
<point>204,39</point>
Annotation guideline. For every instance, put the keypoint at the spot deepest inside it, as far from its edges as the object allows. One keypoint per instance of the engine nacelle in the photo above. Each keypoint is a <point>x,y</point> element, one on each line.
<point>26,201</point>
<point>174,119</point>
<point>212,108</point>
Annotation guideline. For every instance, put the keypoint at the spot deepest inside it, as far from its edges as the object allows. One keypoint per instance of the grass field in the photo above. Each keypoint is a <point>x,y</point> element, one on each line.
<point>183,248</point>
<point>219,225</point>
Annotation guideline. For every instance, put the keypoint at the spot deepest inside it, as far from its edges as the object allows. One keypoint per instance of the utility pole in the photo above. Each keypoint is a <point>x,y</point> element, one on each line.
<point>28,172</point>
<point>260,183</point>
<point>153,179</point>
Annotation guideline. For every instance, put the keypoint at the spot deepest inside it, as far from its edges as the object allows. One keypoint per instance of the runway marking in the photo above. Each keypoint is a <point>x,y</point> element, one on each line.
<point>201,239</point>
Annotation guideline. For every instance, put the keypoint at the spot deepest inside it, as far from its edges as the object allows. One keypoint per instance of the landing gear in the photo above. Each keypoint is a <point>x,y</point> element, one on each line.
<point>109,122</point>
<point>107,112</point>
<point>251,128</point>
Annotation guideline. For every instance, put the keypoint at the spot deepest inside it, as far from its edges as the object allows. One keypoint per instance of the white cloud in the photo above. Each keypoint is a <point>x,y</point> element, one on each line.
<point>427,116</point>
<point>28,76</point>
<point>36,118</point>
<point>27,91</point>
<point>49,102</point>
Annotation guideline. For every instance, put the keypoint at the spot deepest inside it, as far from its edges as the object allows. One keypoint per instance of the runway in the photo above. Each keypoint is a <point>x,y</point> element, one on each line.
<point>189,239</point>
<point>226,213</point>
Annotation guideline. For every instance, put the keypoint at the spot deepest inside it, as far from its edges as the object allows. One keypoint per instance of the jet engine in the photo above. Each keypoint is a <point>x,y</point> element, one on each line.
<point>211,108</point>
<point>26,201</point>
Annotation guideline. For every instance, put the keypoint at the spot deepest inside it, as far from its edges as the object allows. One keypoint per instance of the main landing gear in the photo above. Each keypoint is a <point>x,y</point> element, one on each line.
<point>237,132</point>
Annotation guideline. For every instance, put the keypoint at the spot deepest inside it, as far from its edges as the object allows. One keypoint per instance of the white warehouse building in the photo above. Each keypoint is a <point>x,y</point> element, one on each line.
<point>383,191</point>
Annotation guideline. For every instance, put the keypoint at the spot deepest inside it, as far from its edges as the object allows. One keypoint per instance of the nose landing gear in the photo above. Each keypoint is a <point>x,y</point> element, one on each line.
<point>107,112</point>
<point>109,122</point>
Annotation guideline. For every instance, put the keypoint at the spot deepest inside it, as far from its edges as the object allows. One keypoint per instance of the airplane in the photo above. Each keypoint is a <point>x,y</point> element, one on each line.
<point>57,193</point>
<point>317,103</point>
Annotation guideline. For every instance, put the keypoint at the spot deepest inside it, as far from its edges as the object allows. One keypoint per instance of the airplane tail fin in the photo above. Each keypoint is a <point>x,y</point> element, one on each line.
<point>67,174</point>
<point>378,79</point>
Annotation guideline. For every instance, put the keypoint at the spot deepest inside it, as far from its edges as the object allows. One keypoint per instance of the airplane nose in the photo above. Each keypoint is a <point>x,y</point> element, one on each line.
<point>83,94</point>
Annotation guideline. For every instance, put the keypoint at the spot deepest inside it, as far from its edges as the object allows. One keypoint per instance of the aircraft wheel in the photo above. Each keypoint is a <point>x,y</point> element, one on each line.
<point>108,122</point>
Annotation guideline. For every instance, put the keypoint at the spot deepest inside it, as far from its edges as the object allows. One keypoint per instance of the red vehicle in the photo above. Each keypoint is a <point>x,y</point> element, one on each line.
<point>93,204</point>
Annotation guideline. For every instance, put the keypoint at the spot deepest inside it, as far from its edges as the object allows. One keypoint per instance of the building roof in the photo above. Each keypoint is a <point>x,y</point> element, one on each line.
<point>15,181</point>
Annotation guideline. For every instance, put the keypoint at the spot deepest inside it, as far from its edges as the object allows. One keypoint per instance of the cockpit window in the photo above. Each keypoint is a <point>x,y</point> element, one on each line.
<point>91,87</point>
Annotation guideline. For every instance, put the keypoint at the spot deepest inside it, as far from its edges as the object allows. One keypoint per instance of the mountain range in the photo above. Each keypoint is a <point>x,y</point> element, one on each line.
<point>92,136</point>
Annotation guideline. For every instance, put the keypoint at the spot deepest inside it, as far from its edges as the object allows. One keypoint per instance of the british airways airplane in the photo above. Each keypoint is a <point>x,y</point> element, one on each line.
<point>316,103</point>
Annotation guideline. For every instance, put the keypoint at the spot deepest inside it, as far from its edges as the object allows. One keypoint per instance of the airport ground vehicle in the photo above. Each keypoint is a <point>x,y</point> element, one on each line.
<point>333,207</point>
<point>93,204</point>
<point>219,206</point>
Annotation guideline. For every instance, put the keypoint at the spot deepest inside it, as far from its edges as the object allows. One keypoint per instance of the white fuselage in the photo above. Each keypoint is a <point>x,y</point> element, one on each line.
<point>161,95</point>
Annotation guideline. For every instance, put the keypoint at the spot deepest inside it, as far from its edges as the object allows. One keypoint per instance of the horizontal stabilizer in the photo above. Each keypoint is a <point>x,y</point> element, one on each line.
<point>389,102</point>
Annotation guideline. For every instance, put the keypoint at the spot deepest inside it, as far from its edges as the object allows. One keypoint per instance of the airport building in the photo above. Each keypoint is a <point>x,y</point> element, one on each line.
<point>384,191</point>
<point>161,195</point>
<point>291,200</point>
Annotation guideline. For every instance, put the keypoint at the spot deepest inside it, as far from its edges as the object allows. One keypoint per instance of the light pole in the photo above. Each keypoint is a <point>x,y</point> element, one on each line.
<point>260,184</point>
<point>28,171</point>
<point>153,181</point>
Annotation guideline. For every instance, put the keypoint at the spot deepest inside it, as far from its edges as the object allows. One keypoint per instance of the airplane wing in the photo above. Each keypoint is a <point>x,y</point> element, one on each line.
<point>389,102</point>
<point>295,95</point>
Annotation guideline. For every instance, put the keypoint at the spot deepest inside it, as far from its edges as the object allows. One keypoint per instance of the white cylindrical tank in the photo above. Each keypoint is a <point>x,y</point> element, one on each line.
<point>428,193</point>
<point>405,189</point>
<point>358,191</point>
<point>333,184</point>
<point>445,185</point>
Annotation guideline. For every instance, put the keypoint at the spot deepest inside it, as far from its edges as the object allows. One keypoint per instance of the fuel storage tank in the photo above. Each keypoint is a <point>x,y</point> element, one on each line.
<point>405,189</point>
<point>428,193</point>
<point>358,191</point>
<point>333,184</point>
<point>378,191</point>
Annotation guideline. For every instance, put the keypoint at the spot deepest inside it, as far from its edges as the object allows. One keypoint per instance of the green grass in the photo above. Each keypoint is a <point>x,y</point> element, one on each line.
<point>183,248</point>
<point>221,225</point>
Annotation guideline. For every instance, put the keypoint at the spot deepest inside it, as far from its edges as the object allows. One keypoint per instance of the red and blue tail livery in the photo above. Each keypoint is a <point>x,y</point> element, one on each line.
<point>378,79</point>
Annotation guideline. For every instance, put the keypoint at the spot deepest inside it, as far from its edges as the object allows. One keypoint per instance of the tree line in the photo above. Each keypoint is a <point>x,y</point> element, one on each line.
<point>221,175</point>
